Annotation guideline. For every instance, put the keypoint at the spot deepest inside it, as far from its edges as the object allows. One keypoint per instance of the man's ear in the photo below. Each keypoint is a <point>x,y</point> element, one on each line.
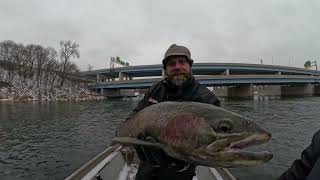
<point>164,67</point>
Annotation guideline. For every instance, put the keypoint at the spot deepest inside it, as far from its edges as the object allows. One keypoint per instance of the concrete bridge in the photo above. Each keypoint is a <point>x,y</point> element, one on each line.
<point>226,79</point>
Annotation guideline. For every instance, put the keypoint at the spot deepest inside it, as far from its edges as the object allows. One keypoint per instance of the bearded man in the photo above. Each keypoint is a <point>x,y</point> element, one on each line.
<point>178,85</point>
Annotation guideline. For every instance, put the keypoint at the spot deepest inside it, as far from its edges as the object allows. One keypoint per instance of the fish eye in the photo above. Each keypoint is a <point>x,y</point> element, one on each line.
<point>225,126</point>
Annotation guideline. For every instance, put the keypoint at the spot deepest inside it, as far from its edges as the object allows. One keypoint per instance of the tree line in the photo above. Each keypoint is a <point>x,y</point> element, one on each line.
<point>43,67</point>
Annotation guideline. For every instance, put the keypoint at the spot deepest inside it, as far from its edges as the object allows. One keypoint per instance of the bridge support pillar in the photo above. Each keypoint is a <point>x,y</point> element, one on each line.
<point>121,76</point>
<point>111,92</point>
<point>101,78</point>
<point>116,93</point>
<point>110,79</point>
<point>124,76</point>
<point>297,90</point>
<point>128,92</point>
<point>243,91</point>
<point>316,90</point>
<point>262,92</point>
<point>98,78</point>
<point>220,91</point>
<point>227,72</point>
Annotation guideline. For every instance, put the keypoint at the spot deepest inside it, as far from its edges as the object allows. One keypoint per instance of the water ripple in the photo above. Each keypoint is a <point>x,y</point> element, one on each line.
<point>51,140</point>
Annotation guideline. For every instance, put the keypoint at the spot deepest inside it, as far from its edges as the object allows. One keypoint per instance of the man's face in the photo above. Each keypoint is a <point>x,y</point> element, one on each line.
<point>178,70</point>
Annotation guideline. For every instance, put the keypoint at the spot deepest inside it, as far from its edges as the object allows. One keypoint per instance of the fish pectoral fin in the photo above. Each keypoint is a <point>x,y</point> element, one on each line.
<point>134,141</point>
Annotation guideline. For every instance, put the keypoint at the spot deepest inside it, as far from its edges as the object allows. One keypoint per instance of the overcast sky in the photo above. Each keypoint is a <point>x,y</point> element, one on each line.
<point>282,32</point>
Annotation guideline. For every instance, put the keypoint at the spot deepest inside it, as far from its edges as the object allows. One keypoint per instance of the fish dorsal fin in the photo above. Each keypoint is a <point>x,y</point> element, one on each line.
<point>134,141</point>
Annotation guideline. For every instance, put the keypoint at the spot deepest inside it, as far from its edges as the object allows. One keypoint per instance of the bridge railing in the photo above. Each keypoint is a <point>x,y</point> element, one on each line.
<point>214,80</point>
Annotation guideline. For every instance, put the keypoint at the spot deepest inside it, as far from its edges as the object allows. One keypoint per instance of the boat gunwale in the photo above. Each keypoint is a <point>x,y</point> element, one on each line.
<point>85,169</point>
<point>101,160</point>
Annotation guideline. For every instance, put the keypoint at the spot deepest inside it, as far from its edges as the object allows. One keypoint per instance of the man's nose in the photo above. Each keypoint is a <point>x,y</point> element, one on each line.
<point>177,65</point>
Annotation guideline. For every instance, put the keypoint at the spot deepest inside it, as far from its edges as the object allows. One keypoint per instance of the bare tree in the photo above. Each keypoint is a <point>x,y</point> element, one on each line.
<point>51,67</point>
<point>68,50</point>
<point>54,68</point>
<point>7,49</point>
<point>30,61</point>
<point>39,64</point>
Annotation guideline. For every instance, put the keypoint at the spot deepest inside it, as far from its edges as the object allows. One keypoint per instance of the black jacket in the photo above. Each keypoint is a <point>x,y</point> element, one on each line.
<point>301,168</point>
<point>165,91</point>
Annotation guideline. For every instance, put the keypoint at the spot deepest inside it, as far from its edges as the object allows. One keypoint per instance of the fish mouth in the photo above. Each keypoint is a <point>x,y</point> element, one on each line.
<point>252,140</point>
<point>242,157</point>
<point>234,155</point>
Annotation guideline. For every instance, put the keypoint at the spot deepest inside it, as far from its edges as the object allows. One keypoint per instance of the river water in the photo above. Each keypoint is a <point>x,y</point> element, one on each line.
<point>51,140</point>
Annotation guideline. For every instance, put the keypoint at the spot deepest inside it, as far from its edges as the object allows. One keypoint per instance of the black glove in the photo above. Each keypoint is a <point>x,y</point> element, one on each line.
<point>157,163</point>
<point>152,155</point>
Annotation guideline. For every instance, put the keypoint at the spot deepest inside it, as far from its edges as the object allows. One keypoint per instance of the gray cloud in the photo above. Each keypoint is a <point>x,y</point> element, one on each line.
<point>140,31</point>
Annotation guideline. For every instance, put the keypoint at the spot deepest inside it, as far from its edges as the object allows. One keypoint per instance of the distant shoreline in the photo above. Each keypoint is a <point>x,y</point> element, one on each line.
<point>91,98</point>
<point>29,93</point>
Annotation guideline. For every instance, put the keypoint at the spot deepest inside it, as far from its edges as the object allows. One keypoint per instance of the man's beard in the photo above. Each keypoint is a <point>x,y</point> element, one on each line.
<point>178,79</point>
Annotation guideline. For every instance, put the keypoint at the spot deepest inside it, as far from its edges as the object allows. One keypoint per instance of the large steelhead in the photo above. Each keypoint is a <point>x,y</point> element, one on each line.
<point>198,133</point>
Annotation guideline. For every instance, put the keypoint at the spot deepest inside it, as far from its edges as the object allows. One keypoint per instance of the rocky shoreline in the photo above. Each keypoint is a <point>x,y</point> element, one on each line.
<point>28,92</point>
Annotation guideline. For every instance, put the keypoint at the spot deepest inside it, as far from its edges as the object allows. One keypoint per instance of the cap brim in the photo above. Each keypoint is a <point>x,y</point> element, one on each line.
<point>164,61</point>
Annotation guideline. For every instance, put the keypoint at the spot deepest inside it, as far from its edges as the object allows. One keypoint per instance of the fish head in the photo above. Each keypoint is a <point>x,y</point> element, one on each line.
<point>230,134</point>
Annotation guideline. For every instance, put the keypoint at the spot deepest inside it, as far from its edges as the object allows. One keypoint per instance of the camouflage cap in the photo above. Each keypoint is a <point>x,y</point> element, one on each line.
<point>176,50</point>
